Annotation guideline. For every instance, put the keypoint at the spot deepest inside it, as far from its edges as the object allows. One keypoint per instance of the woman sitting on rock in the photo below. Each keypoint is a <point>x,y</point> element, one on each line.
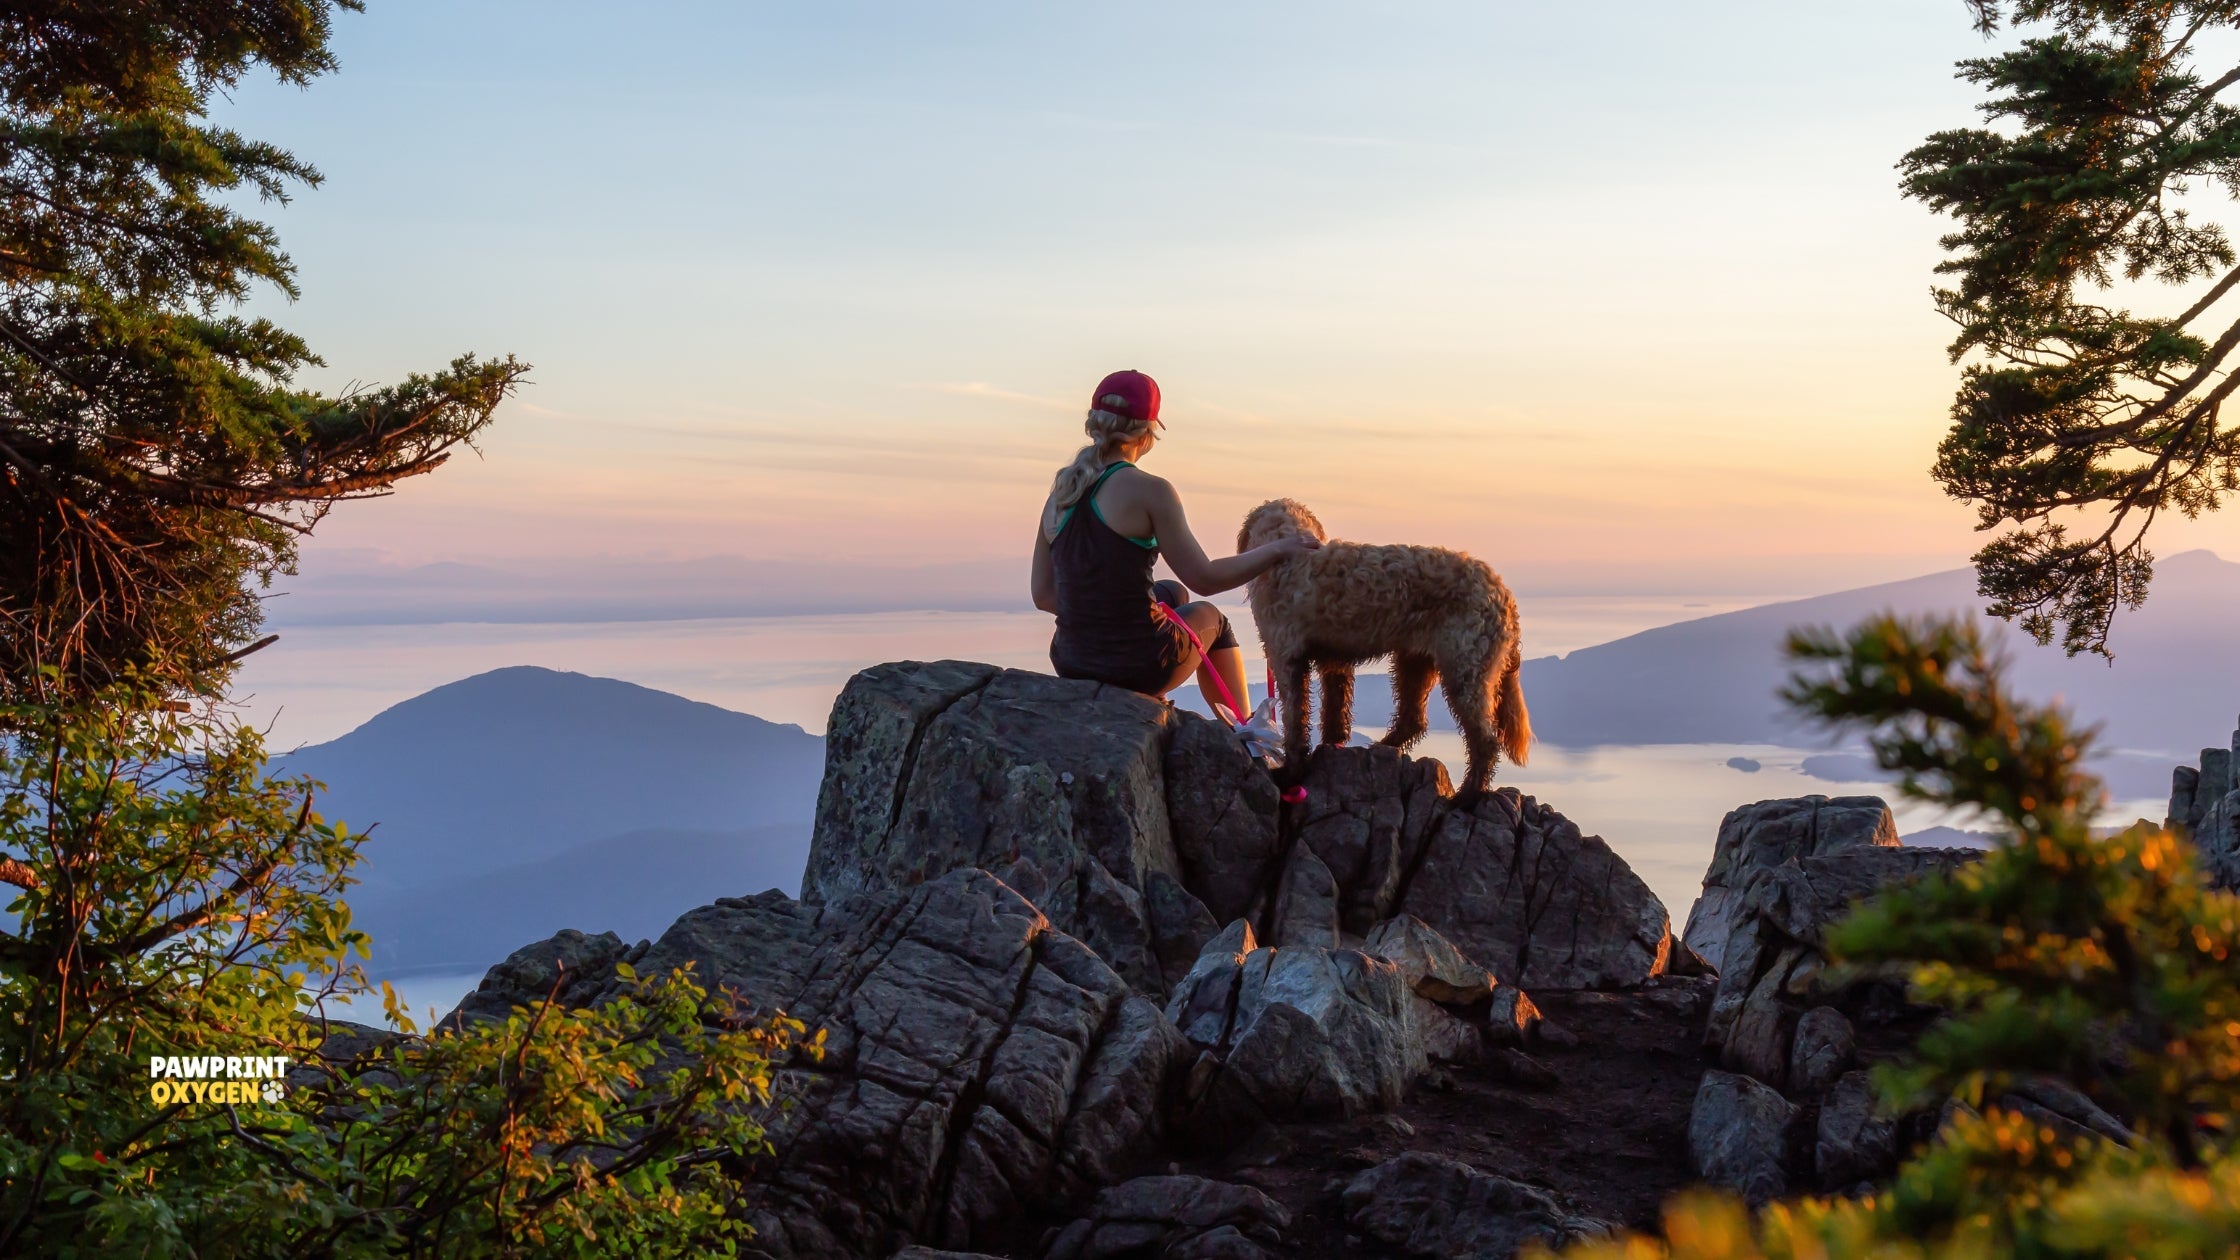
<point>1093,568</point>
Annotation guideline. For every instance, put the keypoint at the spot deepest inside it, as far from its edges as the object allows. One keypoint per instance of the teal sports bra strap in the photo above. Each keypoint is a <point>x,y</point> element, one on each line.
<point>1091,493</point>
<point>1106,475</point>
<point>1148,544</point>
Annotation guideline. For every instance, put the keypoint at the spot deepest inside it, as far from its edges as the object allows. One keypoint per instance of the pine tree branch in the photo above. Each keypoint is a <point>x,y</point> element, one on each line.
<point>17,873</point>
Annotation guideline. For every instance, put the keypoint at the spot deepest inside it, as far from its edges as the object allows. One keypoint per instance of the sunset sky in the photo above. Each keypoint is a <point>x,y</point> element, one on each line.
<point>1620,303</point>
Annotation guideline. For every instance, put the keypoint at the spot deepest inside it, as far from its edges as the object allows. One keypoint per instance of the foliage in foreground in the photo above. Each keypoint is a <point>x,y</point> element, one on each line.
<point>2105,962</point>
<point>2075,410</point>
<point>172,901</point>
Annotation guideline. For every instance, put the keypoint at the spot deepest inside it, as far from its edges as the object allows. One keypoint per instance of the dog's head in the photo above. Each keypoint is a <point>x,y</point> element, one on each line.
<point>1275,519</point>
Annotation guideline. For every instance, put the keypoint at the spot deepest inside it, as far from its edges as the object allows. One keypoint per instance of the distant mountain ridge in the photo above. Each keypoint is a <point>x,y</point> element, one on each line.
<point>491,778</point>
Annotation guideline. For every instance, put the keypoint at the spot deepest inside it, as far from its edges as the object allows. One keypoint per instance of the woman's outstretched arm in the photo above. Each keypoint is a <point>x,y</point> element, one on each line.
<point>1188,559</point>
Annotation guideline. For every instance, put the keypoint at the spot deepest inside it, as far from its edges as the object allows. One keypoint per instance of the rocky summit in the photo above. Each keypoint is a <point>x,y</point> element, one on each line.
<point>1093,988</point>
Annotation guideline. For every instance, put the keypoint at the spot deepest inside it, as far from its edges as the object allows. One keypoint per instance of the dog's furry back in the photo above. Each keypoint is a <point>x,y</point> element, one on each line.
<point>1352,602</point>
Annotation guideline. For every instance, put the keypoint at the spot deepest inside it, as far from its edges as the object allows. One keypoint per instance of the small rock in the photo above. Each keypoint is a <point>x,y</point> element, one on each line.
<point>1511,1018</point>
<point>2063,1100</point>
<point>1306,911</point>
<point>1738,1135</point>
<point>1270,1146</point>
<point>351,1050</point>
<point>1687,962</point>
<point>1446,1038</point>
<point>1203,1000</point>
<point>1679,998</point>
<point>1221,1243</point>
<point>1315,1034</point>
<point>1512,1066</point>
<point>1759,1042</point>
<point>1429,1205</point>
<point>1174,1216</point>
<point>1431,964</point>
<point>1259,1178</point>
<point>567,967</point>
<point>1395,1126</point>
<point>1952,1113</point>
<point>1822,1051</point>
<point>1554,1034</point>
<point>1853,1143</point>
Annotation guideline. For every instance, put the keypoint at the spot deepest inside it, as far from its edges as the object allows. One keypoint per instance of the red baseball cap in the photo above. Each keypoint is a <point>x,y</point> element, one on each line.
<point>1138,395</point>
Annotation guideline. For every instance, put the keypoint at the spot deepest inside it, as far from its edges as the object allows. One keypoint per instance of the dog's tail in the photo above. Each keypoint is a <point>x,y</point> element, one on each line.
<point>1510,718</point>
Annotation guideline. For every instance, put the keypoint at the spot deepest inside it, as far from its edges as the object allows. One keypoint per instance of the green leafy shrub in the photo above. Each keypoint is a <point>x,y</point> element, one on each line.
<point>172,901</point>
<point>2105,961</point>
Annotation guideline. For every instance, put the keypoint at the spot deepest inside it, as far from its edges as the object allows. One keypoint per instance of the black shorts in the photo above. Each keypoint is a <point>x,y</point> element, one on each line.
<point>1159,661</point>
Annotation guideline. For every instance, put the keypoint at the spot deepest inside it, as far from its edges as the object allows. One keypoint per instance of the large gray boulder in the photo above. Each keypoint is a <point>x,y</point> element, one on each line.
<point>1174,1218</point>
<point>1422,1204</point>
<point>1306,902</point>
<point>1060,787</point>
<point>569,967</point>
<point>1295,1033</point>
<point>1520,890</point>
<point>1429,962</point>
<point>1853,1142</point>
<point>2217,838</point>
<point>1739,1136</point>
<point>2205,804</point>
<point>980,1066</point>
<point>1774,956</point>
<point>1821,1051</point>
<point>1222,808</point>
<point>1368,814</point>
<point>1138,829</point>
<point>1767,834</point>
<point>1516,885</point>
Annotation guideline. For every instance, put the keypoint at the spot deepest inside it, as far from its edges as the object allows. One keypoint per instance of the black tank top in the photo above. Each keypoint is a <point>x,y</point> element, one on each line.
<point>1109,625</point>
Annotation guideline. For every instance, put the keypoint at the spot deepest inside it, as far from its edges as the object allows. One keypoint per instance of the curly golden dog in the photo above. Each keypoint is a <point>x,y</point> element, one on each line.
<point>1440,615</point>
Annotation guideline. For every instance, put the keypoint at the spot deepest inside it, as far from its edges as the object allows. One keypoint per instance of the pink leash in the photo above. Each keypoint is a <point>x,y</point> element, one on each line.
<point>1219,683</point>
<point>1294,794</point>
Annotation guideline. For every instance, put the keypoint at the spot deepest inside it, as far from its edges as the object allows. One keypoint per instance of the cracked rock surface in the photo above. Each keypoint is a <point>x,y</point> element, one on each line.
<point>1428,1205</point>
<point>1060,936</point>
<point>1174,1217</point>
<point>1058,786</point>
<point>1739,1135</point>
<point>981,1066</point>
<point>1525,894</point>
<point>1767,834</point>
<point>1297,1032</point>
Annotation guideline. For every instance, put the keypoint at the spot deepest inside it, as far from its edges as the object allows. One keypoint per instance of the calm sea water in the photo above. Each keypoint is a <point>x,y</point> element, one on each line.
<point>318,682</point>
<point>1659,806</point>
